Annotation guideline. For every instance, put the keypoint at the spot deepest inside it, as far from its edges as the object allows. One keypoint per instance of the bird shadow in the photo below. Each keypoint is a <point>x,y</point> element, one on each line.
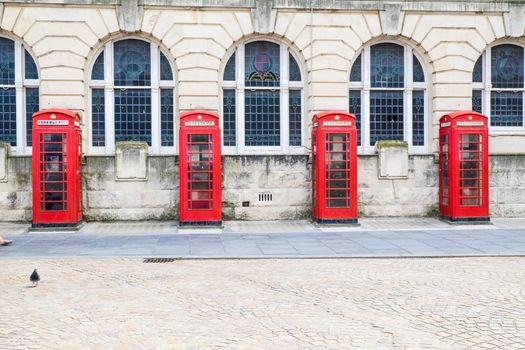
<point>29,287</point>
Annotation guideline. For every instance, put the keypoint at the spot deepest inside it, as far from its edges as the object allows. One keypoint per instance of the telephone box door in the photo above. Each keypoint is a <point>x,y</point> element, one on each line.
<point>200,169</point>
<point>57,161</point>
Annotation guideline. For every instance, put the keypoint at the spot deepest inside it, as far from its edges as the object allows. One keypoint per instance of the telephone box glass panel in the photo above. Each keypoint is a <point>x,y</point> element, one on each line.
<point>470,167</point>
<point>53,171</point>
<point>338,170</point>
<point>444,170</point>
<point>200,171</point>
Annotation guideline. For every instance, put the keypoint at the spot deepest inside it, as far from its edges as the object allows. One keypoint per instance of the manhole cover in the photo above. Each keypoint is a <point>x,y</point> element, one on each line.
<point>158,260</point>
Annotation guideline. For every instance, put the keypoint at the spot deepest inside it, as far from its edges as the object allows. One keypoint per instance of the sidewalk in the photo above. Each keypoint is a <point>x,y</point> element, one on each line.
<point>375,237</point>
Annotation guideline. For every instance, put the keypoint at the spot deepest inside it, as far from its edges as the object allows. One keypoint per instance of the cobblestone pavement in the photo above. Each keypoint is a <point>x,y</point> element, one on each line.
<point>455,303</point>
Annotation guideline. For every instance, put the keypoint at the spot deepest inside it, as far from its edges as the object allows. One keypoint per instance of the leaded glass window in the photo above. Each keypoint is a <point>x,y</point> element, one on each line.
<point>141,100</point>
<point>15,60</point>
<point>266,86</point>
<point>498,86</point>
<point>390,97</point>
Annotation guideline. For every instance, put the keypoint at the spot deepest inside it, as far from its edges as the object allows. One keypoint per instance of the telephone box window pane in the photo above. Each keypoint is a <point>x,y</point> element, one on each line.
<point>444,170</point>
<point>355,109</point>
<point>32,106</point>
<point>133,115</point>
<point>507,66</point>
<point>7,62</point>
<point>53,171</point>
<point>228,114</point>
<point>98,126</point>
<point>355,73</point>
<point>8,115</point>
<point>477,73</point>
<point>470,170</point>
<point>386,116</point>
<point>295,72</point>
<point>98,68</point>
<point>387,65</point>
<point>417,73</point>
<point>132,63</point>
<point>337,170</point>
<point>418,118</point>
<point>31,71</point>
<point>166,117</point>
<point>262,64</point>
<point>229,70</point>
<point>506,108</point>
<point>165,68</point>
<point>476,101</point>
<point>295,117</point>
<point>262,118</point>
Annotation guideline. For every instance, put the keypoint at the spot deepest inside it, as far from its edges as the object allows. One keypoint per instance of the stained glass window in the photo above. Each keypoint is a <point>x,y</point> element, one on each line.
<point>31,72</point>
<point>7,62</point>
<point>387,65</point>
<point>476,101</point>
<point>355,108</point>
<point>98,68</point>
<point>32,106</point>
<point>417,71</point>
<point>229,115</point>
<point>133,115</point>
<point>507,66</point>
<point>166,117</point>
<point>295,72</point>
<point>262,64</point>
<point>98,125</point>
<point>229,70</point>
<point>262,118</point>
<point>355,73</point>
<point>132,63</point>
<point>477,73</point>
<point>418,118</point>
<point>506,108</point>
<point>8,116</point>
<point>165,68</point>
<point>295,116</point>
<point>386,116</point>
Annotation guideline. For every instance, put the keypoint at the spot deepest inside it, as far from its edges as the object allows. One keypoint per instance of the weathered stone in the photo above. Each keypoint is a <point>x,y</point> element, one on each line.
<point>393,159</point>
<point>4,152</point>
<point>130,160</point>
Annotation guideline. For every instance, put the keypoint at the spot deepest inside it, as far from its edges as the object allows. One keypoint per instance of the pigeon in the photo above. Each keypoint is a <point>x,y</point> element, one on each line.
<point>34,278</point>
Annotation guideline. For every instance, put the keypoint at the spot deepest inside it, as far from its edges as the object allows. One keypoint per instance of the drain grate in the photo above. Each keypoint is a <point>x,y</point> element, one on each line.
<point>158,260</point>
<point>265,197</point>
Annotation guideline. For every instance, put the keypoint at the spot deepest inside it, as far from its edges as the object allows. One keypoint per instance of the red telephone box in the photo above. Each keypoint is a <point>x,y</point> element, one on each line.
<point>334,167</point>
<point>464,167</point>
<point>200,168</point>
<point>57,168</point>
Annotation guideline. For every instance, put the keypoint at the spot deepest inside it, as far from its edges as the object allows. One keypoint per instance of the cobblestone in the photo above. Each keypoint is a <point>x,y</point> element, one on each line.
<point>455,303</point>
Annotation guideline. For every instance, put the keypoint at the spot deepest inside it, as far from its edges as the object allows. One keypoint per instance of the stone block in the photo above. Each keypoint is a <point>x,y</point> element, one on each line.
<point>392,159</point>
<point>199,74</point>
<point>156,199</point>
<point>4,153</point>
<point>10,15</point>
<point>187,103</point>
<point>374,24</point>
<point>62,58</point>
<point>391,19</point>
<point>130,161</point>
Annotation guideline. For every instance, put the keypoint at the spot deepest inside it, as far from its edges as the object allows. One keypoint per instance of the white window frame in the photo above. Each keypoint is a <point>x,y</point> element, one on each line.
<point>21,84</point>
<point>284,89</point>
<point>109,100</point>
<point>485,86</point>
<point>409,86</point>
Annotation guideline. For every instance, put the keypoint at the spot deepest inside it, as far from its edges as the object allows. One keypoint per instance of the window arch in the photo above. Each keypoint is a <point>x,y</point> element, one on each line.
<point>262,100</point>
<point>19,95</point>
<point>388,94</point>
<point>498,86</point>
<point>132,97</point>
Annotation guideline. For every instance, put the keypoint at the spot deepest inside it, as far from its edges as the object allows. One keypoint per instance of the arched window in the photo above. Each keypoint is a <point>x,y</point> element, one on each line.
<point>498,86</point>
<point>388,94</point>
<point>262,100</point>
<point>132,97</point>
<point>19,96</point>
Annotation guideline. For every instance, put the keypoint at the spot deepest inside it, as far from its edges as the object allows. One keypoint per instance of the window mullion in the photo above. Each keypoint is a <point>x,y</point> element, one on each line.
<point>487,80</point>
<point>20,105</point>
<point>109,98</point>
<point>155,99</point>
<point>240,99</point>
<point>407,113</point>
<point>365,104</point>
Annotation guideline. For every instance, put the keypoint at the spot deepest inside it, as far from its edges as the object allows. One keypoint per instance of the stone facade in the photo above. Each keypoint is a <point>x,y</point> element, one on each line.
<point>64,37</point>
